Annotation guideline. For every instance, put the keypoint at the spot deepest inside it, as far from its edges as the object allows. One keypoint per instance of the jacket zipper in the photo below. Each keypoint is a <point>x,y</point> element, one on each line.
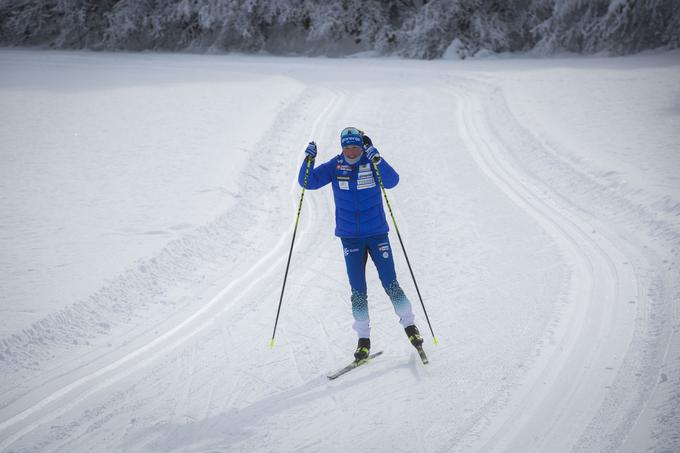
<point>355,175</point>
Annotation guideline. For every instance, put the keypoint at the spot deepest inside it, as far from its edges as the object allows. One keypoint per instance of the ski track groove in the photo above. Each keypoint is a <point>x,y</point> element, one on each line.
<point>577,243</point>
<point>510,185</point>
<point>106,376</point>
<point>636,379</point>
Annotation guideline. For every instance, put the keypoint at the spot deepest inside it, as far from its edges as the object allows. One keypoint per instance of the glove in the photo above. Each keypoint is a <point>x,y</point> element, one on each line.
<point>367,141</point>
<point>311,150</point>
<point>373,154</point>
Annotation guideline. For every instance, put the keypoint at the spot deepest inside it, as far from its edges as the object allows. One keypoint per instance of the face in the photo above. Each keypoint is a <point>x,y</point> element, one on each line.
<point>351,152</point>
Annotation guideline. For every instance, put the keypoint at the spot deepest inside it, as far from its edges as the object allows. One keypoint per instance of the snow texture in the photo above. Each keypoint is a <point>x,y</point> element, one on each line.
<point>148,204</point>
<point>409,28</point>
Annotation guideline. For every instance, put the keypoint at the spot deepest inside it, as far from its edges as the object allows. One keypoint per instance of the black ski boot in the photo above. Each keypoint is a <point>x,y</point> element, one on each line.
<point>414,336</point>
<point>363,348</point>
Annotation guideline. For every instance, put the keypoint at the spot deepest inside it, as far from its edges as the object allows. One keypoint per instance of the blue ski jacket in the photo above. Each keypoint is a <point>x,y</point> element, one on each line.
<point>359,208</point>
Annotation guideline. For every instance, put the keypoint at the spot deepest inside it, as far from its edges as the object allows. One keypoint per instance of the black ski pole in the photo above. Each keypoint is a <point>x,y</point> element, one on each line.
<point>290,253</point>
<point>377,172</point>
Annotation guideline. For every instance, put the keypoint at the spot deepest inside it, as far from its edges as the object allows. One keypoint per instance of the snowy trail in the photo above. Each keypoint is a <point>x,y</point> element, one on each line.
<point>568,383</point>
<point>555,319</point>
<point>60,400</point>
<point>631,344</point>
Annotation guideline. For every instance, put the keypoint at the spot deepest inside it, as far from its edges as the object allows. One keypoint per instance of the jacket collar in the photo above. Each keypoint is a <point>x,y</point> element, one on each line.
<point>362,160</point>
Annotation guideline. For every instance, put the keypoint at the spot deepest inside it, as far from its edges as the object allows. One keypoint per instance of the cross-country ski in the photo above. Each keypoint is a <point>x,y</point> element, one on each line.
<point>423,356</point>
<point>356,363</point>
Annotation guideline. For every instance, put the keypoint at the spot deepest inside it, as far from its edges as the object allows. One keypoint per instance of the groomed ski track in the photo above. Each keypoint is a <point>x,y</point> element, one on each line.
<point>571,366</point>
<point>560,395</point>
<point>55,400</point>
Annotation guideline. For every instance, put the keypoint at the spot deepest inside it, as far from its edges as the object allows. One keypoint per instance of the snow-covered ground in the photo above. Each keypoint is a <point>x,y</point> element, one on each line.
<point>148,203</point>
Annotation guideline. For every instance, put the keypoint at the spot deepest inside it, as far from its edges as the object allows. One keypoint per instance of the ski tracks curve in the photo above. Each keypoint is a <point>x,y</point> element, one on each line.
<point>552,404</point>
<point>54,402</point>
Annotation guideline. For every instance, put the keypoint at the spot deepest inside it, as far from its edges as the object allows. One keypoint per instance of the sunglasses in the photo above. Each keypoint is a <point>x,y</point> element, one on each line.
<point>350,131</point>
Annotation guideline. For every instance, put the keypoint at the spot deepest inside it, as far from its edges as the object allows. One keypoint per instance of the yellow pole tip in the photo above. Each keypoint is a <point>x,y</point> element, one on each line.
<point>271,343</point>
<point>435,340</point>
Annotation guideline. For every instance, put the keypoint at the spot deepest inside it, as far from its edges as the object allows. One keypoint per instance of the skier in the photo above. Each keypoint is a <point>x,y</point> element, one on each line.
<point>361,225</point>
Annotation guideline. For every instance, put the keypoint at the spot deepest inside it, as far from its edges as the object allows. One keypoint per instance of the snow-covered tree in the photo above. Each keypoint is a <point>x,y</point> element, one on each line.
<point>411,28</point>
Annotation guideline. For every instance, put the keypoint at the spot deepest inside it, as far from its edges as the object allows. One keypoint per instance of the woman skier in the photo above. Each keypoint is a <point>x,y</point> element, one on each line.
<point>361,225</point>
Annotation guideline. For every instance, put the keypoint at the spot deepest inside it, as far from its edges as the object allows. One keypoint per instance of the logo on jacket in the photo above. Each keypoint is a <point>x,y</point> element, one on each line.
<point>365,178</point>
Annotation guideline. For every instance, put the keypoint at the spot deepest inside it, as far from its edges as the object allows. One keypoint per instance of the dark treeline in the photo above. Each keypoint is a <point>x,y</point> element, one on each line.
<point>409,28</point>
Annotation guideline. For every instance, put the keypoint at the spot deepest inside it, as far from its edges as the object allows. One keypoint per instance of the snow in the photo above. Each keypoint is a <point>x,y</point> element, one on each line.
<point>118,169</point>
<point>148,204</point>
